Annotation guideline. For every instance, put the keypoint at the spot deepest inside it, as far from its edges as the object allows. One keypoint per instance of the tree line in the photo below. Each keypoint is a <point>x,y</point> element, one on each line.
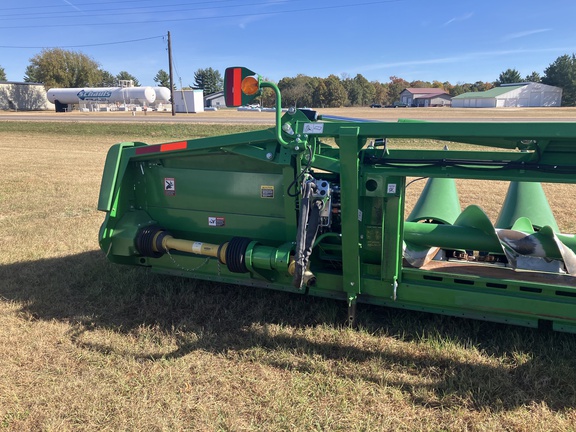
<point>62,68</point>
<point>334,91</point>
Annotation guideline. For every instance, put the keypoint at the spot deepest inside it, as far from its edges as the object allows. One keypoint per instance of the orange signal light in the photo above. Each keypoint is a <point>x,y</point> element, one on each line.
<point>250,85</point>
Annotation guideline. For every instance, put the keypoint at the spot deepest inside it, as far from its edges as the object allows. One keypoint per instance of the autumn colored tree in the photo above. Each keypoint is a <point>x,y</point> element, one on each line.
<point>395,87</point>
<point>480,86</point>
<point>57,67</point>
<point>420,84</point>
<point>380,93</point>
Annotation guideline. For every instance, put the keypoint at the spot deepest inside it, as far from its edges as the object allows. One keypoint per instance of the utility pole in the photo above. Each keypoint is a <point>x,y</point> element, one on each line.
<point>170,73</point>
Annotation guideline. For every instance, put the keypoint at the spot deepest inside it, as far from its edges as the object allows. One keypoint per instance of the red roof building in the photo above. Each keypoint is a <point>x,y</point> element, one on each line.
<point>425,97</point>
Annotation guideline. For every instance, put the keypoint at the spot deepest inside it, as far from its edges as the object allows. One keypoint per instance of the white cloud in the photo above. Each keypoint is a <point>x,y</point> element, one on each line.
<point>246,21</point>
<point>524,34</point>
<point>459,18</point>
<point>467,57</point>
<point>71,5</point>
<point>264,10</point>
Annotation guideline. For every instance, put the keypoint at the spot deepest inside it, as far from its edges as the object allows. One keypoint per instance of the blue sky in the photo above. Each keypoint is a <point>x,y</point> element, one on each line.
<point>446,40</point>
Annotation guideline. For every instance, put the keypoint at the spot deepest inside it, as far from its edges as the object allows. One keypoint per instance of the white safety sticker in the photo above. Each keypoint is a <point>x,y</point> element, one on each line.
<point>392,188</point>
<point>197,247</point>
<point>313,128</point>
<point>169,186</point>
<point>360,215</point>
<point>216,221</point>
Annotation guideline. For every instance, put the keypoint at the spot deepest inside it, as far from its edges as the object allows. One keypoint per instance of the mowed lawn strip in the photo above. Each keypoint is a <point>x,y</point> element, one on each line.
<point>89,345</point>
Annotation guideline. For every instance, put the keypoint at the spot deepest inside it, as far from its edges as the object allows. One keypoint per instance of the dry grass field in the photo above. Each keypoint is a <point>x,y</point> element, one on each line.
<point>91,346</point>
<point>383,114</point>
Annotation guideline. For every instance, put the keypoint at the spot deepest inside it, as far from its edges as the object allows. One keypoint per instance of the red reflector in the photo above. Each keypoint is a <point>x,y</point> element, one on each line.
<point>181,145</point>
<point>238,86</point>
<point>147,149</point>
<point>233,86</point>
<point>174,146</point>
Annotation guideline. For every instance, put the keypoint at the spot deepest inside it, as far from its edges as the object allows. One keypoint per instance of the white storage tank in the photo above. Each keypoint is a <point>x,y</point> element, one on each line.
<point>67,96</point>
<point>162,94</point>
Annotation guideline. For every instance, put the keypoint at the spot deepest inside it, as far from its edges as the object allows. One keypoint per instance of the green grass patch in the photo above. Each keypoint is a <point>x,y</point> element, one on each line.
<point>97,129</point>
<point>88,345</point>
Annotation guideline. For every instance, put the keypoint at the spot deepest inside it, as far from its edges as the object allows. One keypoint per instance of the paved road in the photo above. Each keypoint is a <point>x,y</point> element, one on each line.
<point>267,118</point>
<point>140,118</point>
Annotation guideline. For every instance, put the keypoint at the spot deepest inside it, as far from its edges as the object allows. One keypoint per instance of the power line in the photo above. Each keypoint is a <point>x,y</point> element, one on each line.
<point>106,11</point>
<point>85,45</point>
<point>240,15</point>
<point>114,2</point>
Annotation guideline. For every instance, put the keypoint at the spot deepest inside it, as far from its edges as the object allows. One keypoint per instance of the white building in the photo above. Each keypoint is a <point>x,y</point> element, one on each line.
<point>511,95</point>
<point>189,101</point>
<point>23,96</point>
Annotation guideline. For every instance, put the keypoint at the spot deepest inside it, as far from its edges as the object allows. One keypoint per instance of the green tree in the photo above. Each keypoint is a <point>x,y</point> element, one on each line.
<point>320,94</point>
<point>562,73</point>
<point>162,78</point>
<point>533,77</point>
<point>2,74</point>
<point>125,76</point>
<point>107,79</point>
<point>297,91</point>
<point>208,80</point>
<point>509,76</point>
<point>349,84</point>
<point>361,92</point>
<point>336,93</point>
<point>62,68</point>
<point>460,88</point>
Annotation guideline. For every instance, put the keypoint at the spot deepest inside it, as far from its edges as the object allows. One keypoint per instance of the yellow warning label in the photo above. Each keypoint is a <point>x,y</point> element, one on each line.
<point>266,191</point>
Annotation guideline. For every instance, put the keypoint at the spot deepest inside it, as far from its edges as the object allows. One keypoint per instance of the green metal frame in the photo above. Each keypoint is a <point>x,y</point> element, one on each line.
<point>245,182</point>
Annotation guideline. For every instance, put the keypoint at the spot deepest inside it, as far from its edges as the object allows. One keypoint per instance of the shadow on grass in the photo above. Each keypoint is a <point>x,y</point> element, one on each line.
<point>91,293</point>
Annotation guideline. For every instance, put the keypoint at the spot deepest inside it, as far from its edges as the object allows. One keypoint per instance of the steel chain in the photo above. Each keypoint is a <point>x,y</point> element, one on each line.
<point>181,267</point>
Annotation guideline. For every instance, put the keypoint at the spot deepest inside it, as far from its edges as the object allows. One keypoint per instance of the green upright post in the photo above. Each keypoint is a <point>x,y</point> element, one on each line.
<point>351,215</point>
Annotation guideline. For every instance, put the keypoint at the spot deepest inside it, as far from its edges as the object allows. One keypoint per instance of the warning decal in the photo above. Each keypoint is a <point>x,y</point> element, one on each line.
<point>216,221</point>
<point>266,191</point>
<point>169,186</point>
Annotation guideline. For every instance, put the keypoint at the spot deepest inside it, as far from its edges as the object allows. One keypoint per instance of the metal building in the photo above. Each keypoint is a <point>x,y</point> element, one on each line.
<point>511,95</point>
<point>215,100</point>
<point>23,96</point>
<point>425,97</point>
